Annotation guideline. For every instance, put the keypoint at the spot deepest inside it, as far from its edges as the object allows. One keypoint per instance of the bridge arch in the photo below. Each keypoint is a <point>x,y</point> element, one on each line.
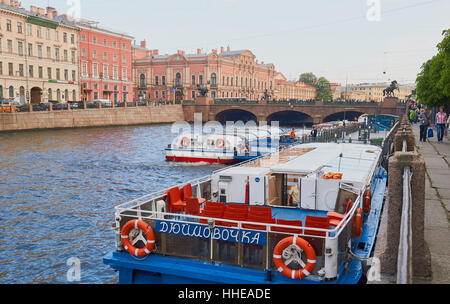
<point>235,115</point>
<point>291,118</point>
<point>344,115</point>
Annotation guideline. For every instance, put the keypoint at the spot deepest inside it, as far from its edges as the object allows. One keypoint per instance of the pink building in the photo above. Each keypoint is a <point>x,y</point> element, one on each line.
<point>226,73</point>
<point>105,64</point>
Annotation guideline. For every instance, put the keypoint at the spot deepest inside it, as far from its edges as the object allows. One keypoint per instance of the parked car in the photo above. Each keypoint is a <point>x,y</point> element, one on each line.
<point>104,102</point>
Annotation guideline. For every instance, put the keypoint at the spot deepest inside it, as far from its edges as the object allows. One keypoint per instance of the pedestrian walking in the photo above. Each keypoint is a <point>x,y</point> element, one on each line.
<point>424,123</point>
<point>441,121</point>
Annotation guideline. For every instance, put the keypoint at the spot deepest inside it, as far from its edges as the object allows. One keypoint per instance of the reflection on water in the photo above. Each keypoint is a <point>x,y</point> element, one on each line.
<point>58,189</point>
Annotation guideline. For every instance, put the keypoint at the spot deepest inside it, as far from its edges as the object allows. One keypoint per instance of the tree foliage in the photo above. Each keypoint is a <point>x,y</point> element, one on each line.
<point>433,81</point>
<point>322,85</point>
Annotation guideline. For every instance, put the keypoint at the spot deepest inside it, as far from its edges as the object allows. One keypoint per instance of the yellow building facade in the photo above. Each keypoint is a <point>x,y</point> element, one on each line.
<point>38,55</point>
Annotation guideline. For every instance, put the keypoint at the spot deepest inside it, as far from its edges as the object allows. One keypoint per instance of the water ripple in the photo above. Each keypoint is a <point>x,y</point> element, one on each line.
<point>58,189</point>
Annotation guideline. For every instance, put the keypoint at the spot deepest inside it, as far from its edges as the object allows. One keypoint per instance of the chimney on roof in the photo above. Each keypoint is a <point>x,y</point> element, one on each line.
<point>144,44</point>
<point>199,51</point>
<point>180,52</point>
<point>221,49</point>
<point>41,11</point>
<point>14,3</point>
<point>155,52</point>
<point>6,2</point>
<point>33,9</point>
<point>50,11</point>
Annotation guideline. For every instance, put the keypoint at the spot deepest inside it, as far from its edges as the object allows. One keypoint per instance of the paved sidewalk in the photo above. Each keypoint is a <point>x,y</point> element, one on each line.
<point>437,205</point>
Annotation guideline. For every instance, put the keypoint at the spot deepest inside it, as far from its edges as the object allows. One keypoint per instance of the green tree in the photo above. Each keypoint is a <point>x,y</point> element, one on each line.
<point>322,85</point>
<point>433,81</point>
<point>309,78</point>
<point>324,91</point>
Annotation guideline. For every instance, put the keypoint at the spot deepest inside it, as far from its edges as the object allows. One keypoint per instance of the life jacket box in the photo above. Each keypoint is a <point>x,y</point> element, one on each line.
<point>230,185</point>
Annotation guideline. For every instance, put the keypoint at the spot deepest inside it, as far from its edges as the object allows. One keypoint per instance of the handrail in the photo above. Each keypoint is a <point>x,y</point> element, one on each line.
<point>404,260</point>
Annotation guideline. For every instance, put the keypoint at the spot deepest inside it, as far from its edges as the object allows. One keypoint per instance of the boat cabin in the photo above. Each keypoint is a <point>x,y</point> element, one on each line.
<point>286,216</point>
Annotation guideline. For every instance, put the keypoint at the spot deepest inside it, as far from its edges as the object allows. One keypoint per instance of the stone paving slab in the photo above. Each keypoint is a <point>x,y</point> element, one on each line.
<point>437,204</point>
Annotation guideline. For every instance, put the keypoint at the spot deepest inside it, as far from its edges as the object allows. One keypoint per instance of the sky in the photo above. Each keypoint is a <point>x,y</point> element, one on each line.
<point>345,41</point>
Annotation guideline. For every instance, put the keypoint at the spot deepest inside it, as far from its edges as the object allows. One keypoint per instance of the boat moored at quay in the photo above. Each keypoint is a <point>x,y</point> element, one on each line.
<point>306,214</point>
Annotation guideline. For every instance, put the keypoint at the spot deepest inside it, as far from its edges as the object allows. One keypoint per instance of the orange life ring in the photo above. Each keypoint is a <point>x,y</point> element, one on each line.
<point>245,148</point>
<point>282,267</point>
<point>137,224</point>
<point>357,223</point>
<point>185,142</point>
<point>282,147</point>
<point>220,143</point>
<point>367,201</point>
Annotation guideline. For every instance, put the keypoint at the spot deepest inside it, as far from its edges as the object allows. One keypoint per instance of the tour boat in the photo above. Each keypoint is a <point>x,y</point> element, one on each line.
<point>227,147</point>
<point>306,214</point>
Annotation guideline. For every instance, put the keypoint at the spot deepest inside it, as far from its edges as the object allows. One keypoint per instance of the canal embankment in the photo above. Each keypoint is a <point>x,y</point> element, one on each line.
<point>82,118</point>
<point>428,239</point>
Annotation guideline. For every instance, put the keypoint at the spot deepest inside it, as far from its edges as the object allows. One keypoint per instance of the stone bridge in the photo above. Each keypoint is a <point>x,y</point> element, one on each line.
<point>288,112</point>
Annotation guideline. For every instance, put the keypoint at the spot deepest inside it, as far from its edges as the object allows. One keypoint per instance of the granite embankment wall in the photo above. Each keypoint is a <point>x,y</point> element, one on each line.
<point>91,118</point>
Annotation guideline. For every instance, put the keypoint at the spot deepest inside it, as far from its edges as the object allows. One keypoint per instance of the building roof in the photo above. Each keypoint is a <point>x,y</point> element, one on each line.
<point>57,19</point>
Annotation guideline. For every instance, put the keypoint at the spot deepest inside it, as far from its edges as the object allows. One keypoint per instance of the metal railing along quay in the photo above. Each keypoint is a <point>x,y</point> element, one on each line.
<point>404,261</point>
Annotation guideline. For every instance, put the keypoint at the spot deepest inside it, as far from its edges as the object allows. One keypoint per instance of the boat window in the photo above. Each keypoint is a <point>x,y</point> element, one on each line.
<point>284,190</point>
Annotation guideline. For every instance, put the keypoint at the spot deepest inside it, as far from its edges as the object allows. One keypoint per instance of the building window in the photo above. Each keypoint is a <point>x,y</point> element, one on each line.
<point>58,95</point>
<point>142,81</point>
<point>8,25</point>
<point>178,80</point>
<point>10,69</point>
<point>193,94</point>
<point>213,79</point>
<point>66,95</point>
<point>50,97</point>
<point>41,72</point>
<point>58,76</point>
<point>156,79</point>
<point>30,71</point>
<point>83,37</point>
<point>30,49</point>
<point>29,30</point>
<point>74,95</point>
<point>20,48</point>
<point>83,52</point>
<point>105,42</point>
<point>19,27</point>
<point>72,38</point>
<point>200,79</point>
<point>47,34</point>
<point>193,79</point>
<point>11,92</point>
<point>65,37</point>
<point>94,40</point>
<point>163,79</point>
<point>49,73</point>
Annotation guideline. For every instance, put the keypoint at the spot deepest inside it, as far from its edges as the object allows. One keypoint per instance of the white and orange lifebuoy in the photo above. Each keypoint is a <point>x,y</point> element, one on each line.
<point>282,147</point>
<point>150,244</point>
<point>220,143</point>
<point>357,223</point>
<point>367,201</point>
<point>245,148</point>
<point>185,141</point>
<point>305,247</point>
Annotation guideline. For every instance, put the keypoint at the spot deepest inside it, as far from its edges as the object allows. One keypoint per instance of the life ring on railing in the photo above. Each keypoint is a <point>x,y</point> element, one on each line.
<point>282,147</point>
<point>278,254</point>
<point>245,148</point>
<point>220,143</point>
<point>185,142</point>
<point>357,223</point>
<point>150,243</point>
<point>367,201</point>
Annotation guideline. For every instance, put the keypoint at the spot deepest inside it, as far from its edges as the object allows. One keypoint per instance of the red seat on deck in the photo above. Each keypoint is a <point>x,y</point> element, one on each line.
<point>193,206</point>
<point>174,201</point>
<point>259,210</point>
<point>335,218</point>
<point>288,223</point>
<point>234,215</point>
<point>258,218</point>
<point>237,207</point>
<point>317,222</point>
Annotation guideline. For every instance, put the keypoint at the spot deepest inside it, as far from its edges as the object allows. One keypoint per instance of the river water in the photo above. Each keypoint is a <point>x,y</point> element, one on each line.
<point>58,189</point>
